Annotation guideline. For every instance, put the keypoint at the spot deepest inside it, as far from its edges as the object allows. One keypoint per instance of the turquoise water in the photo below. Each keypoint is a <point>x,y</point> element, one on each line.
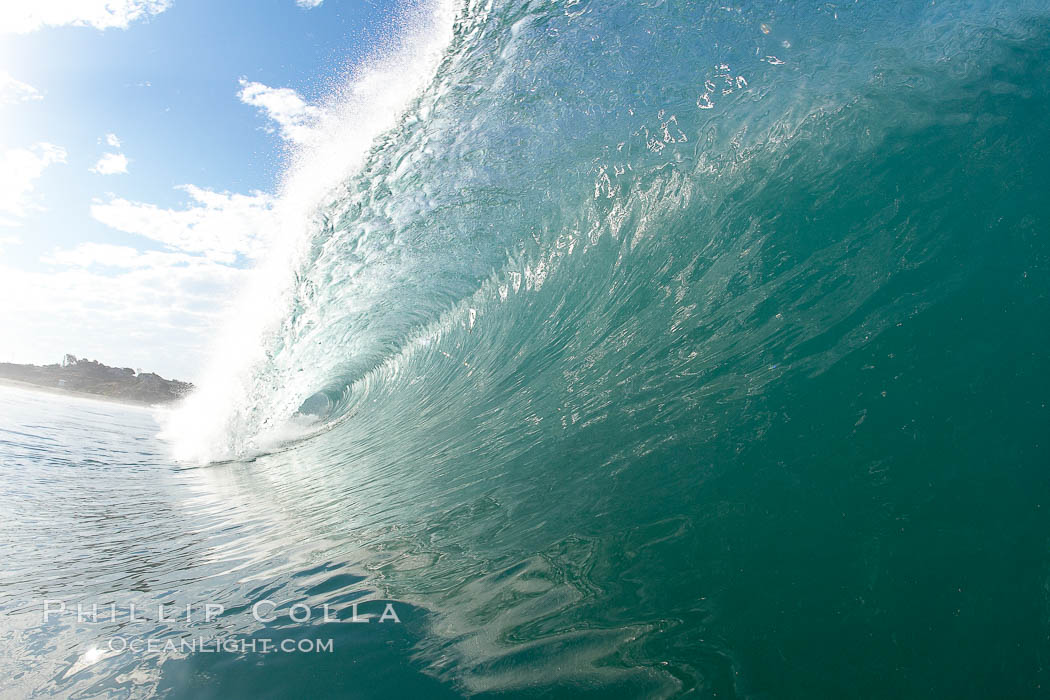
<point>657,349</point>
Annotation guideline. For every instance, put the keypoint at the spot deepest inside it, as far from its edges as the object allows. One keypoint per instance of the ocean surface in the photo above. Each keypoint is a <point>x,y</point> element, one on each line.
<point>616,349</point>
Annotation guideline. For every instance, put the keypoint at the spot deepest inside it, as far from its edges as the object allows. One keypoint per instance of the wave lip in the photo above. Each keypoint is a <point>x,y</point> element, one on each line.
<point>255,380</point>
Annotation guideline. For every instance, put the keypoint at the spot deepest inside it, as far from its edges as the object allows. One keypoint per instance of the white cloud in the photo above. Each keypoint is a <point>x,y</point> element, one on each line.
<point>19,169</point>
<point>168,304</point>
<point>217,225</point>
<point>115,256</point>
<point>167,307</point>
<point>308,4</point>
<point>294,116</point>
<point>13,91</point>
<point>111,164</point>
<point>8,240</point>
<point>21,16</point>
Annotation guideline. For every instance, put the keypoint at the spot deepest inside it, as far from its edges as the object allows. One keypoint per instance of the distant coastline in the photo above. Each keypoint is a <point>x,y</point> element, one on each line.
<point>92,379</point>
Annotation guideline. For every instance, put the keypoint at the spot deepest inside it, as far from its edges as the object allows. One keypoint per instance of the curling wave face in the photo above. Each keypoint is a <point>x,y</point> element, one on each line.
<point>607,280</point>
<point>604,153</point>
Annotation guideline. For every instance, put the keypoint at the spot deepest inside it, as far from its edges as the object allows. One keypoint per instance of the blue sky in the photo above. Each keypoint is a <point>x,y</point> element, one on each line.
<point>141,142</point>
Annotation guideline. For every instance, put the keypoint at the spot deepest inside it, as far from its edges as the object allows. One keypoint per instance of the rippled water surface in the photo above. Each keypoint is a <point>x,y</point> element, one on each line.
<point>94,513</point>
<point>659,349</point>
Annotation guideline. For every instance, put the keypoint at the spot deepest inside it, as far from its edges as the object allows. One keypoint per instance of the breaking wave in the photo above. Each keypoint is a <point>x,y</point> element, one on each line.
<point>614,320</point>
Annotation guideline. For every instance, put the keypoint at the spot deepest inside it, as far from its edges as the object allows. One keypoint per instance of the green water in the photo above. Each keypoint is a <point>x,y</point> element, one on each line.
<point>624,386</point>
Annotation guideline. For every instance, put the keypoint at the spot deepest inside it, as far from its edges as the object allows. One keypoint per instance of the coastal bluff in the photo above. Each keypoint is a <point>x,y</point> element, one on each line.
<point>89,377</point>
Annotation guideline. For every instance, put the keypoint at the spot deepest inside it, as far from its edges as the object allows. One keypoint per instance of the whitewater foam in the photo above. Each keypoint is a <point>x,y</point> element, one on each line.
<point>244,403</point>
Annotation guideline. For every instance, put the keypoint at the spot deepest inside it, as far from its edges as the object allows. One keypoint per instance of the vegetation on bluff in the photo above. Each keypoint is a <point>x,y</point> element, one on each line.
<point>78,375</point>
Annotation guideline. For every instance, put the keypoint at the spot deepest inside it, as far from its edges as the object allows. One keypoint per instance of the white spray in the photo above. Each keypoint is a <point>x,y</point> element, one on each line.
<point>234,412</point>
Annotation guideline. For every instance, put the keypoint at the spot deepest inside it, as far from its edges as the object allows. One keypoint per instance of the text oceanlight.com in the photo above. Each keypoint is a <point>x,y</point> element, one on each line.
<point>230,645</point>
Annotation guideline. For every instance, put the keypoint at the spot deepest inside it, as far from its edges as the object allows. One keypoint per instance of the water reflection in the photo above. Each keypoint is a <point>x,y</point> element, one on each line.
<point>148,573</point>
